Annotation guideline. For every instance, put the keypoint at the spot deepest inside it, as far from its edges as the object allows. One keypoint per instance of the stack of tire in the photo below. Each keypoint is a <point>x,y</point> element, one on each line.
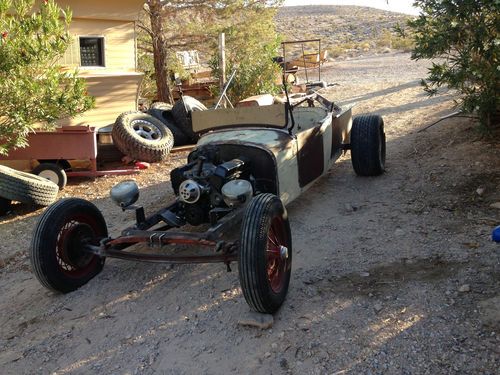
<point>150,136</point>
<point>25,188</point>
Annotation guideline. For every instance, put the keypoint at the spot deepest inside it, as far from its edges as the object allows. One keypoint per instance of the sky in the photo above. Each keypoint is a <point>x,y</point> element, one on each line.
<point>402,6</point>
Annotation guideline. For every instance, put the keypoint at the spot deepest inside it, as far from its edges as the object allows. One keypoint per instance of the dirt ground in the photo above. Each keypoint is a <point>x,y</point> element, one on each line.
<point>392,275</point>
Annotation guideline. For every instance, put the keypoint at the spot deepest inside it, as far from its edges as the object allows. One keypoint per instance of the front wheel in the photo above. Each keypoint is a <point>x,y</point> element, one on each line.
<point>368,145</point>
<point>57,251</point>
<point>265,259</point>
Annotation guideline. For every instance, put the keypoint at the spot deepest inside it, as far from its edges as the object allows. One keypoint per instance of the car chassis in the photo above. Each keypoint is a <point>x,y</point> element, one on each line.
<point>262,165</point>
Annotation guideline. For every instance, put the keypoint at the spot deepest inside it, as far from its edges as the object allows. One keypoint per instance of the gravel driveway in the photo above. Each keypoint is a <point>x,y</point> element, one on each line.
<point>392,275</point>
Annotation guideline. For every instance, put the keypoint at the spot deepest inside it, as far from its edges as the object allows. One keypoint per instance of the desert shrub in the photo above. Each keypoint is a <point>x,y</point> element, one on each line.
<point>256,72</point>
<point>464,35</point>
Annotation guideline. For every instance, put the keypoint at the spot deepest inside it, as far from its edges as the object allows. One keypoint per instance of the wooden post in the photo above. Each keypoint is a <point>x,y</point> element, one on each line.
<point>222,63</point>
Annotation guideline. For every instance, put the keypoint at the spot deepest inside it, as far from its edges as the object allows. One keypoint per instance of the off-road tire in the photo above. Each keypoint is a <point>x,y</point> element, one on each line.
<point>265,217</point>
<point>56,260</point>
<point>52,172</point>
<point>5,205</point>
<point>166,117</point>
<point>183,118</point>
<point>26,187</point>
<point>368,145</point>
<point>129,134</point>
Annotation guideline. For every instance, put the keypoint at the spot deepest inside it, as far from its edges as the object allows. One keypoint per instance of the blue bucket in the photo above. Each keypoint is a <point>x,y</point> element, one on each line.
<point>495,236</point>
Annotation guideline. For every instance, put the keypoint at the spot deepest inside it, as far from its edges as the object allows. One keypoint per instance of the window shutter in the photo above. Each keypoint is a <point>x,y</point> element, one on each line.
<point>71,57</point>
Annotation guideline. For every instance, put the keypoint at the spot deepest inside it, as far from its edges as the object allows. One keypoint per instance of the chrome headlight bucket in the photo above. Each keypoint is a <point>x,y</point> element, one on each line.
<point>125,193</point>
<point>237,192</point>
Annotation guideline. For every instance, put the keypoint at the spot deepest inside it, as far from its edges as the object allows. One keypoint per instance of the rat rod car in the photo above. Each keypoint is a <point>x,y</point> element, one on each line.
<point>248,165</point>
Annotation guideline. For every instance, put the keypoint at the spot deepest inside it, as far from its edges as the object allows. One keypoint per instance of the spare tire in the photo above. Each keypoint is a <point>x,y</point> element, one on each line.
<point>142,137</point>
<point>166,117</point>
<point>161,105</point>
<point>182,115</point>
<point>26,187</point>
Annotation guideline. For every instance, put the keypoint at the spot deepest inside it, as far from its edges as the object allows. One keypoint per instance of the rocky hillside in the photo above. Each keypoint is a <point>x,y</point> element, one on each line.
<point>343,30</point>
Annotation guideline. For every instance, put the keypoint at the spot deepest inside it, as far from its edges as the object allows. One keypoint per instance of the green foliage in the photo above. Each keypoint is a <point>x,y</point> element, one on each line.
<point>251,44</point>
<point>256,73</point>
<point>396,39</point>
<point>465,36</point>
<point>251,41</point>
<point>34,89</point>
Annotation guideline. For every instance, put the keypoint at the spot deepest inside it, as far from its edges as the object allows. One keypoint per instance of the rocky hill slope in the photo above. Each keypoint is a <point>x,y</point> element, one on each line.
<point>343,30</point>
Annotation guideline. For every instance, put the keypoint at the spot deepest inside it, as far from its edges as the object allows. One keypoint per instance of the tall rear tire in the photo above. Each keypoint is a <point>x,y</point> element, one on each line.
<point>56,252</point>
<point>182,115</point>
<point>265,259</point>
<point>142,137</point>
<point>26,187</point>
<point>368,145</point>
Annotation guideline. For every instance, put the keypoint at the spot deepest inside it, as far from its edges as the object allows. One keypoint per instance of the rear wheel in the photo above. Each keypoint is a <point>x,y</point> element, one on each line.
<point>368,145</point>
<point>265,259</point>
<point>52,172</point>
<point>57,250</point>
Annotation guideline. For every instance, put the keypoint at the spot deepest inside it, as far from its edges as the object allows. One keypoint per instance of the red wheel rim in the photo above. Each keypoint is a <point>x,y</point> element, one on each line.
<point>277,257</point>
<point>72,260</point>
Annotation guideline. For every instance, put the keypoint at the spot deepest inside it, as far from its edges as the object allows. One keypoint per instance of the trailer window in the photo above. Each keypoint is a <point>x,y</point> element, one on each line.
<point>92,51</point>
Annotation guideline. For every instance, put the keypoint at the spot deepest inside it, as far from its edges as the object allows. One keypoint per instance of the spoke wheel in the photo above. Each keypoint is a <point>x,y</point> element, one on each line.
<point>58,256</point>
<point>265,259</point>
<point>277,255</point>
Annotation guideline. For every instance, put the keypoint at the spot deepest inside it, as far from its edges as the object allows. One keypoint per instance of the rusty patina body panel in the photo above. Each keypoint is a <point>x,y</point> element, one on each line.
<point>300,156</point>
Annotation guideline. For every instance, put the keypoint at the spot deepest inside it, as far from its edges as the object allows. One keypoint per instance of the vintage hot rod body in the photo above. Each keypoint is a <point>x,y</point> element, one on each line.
<point>247,166</point>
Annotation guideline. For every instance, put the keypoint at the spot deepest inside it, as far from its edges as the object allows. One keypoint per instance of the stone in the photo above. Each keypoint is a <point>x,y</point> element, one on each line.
<point>378,307</point>
<point>480,191</point>
<point>464,288</point>
<point>490,312</point>
<point>399,232</point>
<point>495,205</point>
<point>283,363</point>
<point>364,274</point>
<point>257,320</point>
<point>348,207</point>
